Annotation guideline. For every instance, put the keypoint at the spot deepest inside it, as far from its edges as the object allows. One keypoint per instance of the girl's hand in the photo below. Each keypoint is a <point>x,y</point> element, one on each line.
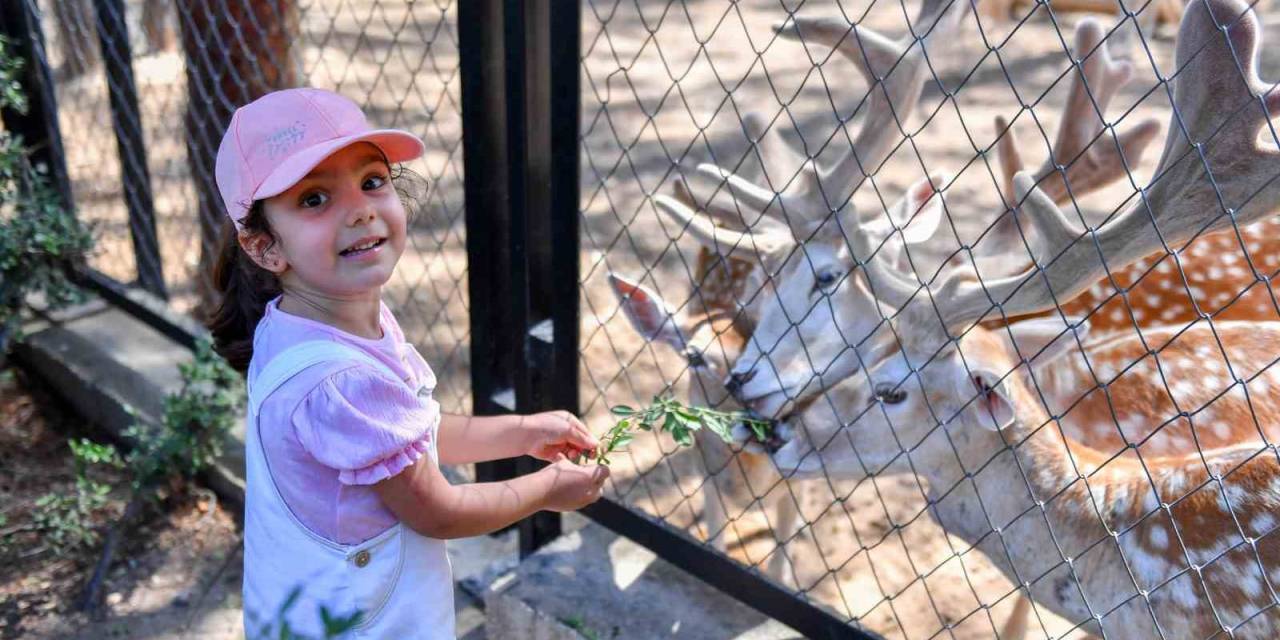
<point>556,434</point>
<point>573,486</point>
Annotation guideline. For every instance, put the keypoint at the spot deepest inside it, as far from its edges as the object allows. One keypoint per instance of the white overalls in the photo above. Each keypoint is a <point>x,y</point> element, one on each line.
<point>399,579</point>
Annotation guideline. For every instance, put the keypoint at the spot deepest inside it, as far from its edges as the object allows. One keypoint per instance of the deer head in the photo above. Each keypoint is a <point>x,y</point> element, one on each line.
<point>809,333</point>
<point>708,341</point>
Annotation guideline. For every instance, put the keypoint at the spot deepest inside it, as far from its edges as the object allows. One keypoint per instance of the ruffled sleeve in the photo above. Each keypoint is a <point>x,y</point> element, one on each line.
<point>364,424</point>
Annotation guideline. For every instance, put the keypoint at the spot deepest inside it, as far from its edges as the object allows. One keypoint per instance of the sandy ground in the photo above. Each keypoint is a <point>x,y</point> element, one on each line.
<point>664,87</point>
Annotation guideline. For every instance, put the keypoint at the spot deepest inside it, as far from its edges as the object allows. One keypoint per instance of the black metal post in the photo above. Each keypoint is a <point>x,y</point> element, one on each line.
<point>520,73</point>
<point>565,250</point>
<point>113,33</point>
<point>495,345</point>
<point>543,67</point>
<point>38,126</point>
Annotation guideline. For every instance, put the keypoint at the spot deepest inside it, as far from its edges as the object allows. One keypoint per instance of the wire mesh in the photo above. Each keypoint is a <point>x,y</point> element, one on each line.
<point>766,232</point>
<point>398,60</point>
<point>1132,494</point>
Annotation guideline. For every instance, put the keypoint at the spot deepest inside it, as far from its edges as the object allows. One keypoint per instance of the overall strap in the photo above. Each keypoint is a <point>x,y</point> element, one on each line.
<point>295,359</point>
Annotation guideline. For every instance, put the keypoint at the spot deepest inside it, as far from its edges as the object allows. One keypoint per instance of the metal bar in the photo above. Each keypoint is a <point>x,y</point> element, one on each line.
<point>484,124</point>
<point>38,126</point>
<point>528,41</point>
<point>154,312</point>
<point>113,33</point>
<point>565,150</point>
<point>724,573</point>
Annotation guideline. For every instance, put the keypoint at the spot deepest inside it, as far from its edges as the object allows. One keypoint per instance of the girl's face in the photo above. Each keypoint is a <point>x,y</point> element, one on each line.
<point>341,229</point>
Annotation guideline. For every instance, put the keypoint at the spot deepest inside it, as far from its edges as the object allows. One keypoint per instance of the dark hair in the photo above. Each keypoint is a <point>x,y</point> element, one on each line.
<point>246,288</point>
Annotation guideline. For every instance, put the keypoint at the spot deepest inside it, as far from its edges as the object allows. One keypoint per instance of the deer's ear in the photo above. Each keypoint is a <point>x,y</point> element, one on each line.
<point>1043,340</point>
<point>918,213</point>
<point>994,405</point>
<point>647,312</point>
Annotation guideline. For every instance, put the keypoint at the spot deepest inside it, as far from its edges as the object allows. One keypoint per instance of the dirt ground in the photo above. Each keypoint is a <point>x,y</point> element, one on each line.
<point>178,574</point>
<point>664,87</point>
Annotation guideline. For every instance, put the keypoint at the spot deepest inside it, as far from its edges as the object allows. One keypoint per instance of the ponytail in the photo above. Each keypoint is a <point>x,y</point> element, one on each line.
<point>246,289</point>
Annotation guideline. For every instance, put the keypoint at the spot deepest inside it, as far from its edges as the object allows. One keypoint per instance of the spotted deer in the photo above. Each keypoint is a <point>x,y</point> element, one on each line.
<point>817,324</point>
<point>1142,542</point>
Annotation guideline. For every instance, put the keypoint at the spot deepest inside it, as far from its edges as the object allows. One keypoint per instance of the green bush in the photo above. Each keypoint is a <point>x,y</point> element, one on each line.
<point>65,521</point>
<point>196,421</point>
<point>38,238</point>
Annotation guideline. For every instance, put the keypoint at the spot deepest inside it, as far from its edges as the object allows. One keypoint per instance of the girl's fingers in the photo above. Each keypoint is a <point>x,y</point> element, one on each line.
<point>579,437</point>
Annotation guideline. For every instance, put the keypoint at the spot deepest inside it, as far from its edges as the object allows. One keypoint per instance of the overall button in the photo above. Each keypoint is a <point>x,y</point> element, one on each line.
<point>362,558</point>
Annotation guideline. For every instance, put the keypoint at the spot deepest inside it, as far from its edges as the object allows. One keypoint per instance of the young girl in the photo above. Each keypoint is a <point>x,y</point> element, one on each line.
<point>345,505</point>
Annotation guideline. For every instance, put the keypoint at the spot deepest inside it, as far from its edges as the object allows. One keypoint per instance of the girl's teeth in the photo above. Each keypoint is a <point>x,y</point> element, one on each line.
<point>363,247</point>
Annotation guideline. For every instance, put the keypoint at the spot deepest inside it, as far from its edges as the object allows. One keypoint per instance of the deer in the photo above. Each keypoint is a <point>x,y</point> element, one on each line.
<point>740,246</point>
<point>1137,543</point>
<point>709,334</point>
<point>817,324</point>
<point>721,319</point>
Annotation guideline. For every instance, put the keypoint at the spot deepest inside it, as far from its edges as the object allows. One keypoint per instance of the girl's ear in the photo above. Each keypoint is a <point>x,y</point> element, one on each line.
<point>263,250</point>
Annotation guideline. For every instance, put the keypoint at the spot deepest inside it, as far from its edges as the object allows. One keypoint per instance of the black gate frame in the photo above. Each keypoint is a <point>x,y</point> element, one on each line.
<point>520,73</point>
<point>521,68</point>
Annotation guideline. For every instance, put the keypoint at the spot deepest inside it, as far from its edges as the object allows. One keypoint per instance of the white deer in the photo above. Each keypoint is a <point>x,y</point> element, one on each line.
<point>1133,543</point>
<point>749,244</point>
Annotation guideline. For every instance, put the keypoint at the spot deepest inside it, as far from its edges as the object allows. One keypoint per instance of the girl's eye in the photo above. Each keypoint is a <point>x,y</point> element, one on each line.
<point>889,394</point>
<point>312,200</point>
<point>373,182</point>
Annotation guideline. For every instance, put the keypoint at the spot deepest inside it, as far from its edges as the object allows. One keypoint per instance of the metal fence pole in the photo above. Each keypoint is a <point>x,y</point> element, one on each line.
<point>520,115</point>
<point>543,69</point>
<point>117,59</point>
<point>484,121</point>
<point>20,23</point>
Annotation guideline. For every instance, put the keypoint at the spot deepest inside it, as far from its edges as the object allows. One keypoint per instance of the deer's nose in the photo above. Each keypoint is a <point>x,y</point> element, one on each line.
<point>737,379</point>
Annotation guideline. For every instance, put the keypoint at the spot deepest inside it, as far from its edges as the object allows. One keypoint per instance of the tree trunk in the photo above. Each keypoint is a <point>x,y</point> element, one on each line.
<point>155,14</point>
<point>236,51</point>
<point>77,36</point>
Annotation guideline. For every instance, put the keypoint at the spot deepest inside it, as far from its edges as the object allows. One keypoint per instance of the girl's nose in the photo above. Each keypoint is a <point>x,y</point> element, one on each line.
<point>362,211</point>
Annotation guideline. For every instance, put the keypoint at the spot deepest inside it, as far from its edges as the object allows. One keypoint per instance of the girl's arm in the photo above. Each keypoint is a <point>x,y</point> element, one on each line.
<point>467,439</point>
<point>426,502</point>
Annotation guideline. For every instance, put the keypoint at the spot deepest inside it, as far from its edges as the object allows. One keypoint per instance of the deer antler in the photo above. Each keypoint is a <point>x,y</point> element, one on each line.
<point>1088,166</point>
<point>1213,174</point>
<point>896,72</point>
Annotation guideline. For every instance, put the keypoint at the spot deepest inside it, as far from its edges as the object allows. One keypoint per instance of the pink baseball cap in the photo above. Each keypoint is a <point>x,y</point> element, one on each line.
<point>276,140</point>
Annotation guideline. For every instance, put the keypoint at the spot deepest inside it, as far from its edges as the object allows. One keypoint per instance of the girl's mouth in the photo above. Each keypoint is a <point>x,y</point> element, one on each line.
<point>362,248</point>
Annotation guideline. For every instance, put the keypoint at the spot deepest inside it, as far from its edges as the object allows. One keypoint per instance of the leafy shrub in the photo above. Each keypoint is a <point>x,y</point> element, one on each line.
<point>196,421</point>
<point>38,238</point>
<point>65,521</point>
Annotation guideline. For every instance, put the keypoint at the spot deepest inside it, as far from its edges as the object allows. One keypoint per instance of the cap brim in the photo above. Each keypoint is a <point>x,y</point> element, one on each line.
<point>399,146</point>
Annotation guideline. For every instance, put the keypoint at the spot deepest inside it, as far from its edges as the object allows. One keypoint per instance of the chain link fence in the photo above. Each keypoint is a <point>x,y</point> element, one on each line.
<point>821,223</point>
<point>192,64</point>
<point>824,214</point>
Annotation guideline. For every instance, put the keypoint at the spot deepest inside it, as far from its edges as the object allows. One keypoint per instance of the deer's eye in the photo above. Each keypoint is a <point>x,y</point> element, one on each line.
<point>890,394</point>
<point>826,279</point>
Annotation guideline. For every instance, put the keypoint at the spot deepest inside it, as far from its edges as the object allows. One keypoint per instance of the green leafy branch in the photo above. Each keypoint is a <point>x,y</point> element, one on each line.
<point>667,414</point>
<point>38,237</point>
